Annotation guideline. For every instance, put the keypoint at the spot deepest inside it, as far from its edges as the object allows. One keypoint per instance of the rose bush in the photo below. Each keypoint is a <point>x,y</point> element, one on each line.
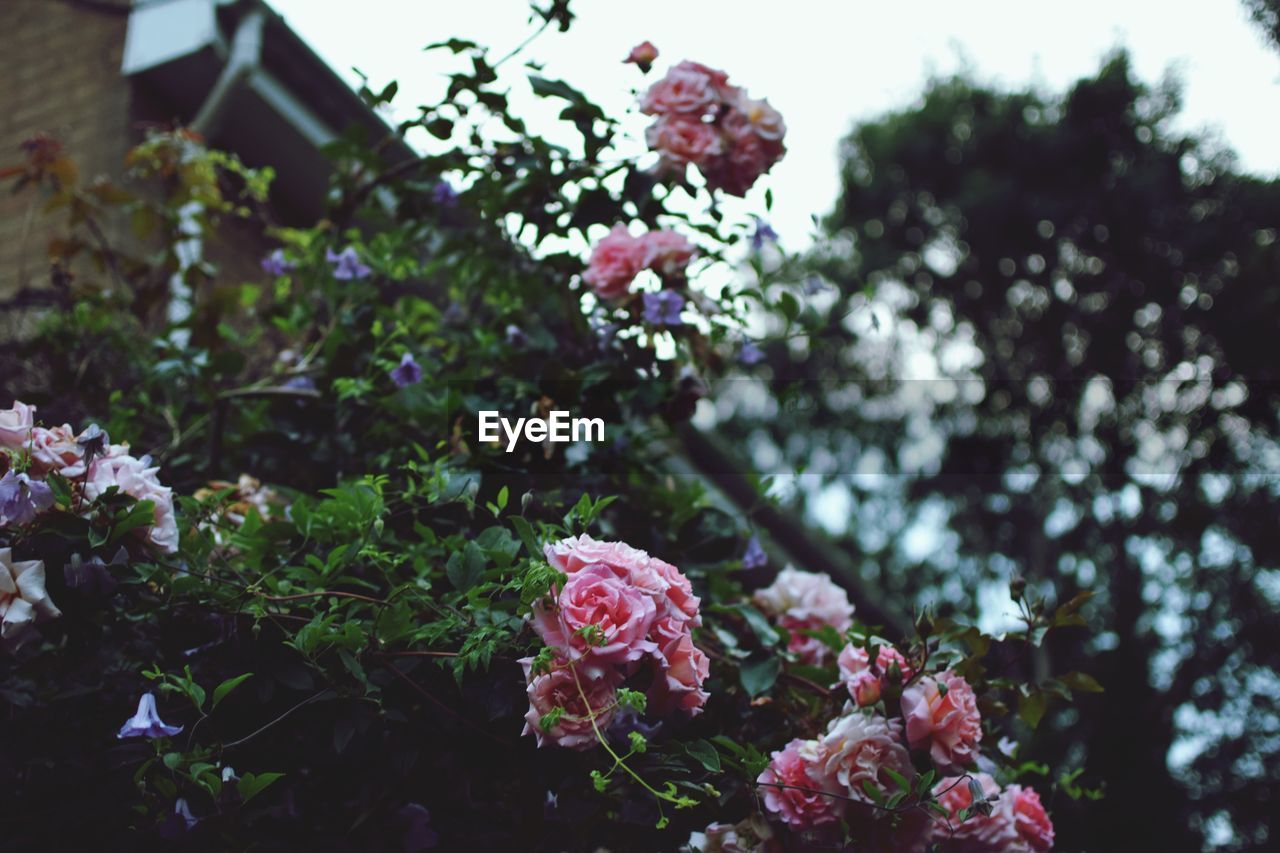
<point>341,607</point>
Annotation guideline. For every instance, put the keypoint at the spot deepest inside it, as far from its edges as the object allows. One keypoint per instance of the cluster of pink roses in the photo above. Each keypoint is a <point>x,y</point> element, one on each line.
<point>823,780</point>
<point>732,138</point>
<point>806,601</point>
<point>89,459</point>
<point>619,257</point>
<point>1017,823</point>
<point>618,609</point>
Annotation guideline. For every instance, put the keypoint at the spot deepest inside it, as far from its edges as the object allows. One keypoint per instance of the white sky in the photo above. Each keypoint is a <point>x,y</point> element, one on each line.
<point>824,63</point>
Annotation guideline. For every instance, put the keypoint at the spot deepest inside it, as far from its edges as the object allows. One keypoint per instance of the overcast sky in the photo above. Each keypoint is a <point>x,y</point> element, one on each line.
<point>826,64</point>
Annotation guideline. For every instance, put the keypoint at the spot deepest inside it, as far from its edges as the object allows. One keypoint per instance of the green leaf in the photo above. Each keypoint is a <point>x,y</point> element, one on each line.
<point>755,620</point>
<point>250,785</point>
<point>704,753</point>
<point>220,692</point>
<point>1031,707</point>
<point>759,675</point>
<point>1082,682</point>
<point>525,531</point>
<point>465,568</point>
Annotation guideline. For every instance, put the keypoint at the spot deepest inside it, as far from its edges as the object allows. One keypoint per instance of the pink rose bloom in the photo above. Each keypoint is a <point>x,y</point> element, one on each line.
<point>678,596</point>
<point>666,252</point>
<point>796,790</point>
<point>941,713</point>
<point>808,649</point>
<point>979,833</point>
<point>858,747</point>
<point>669,587</point>
<point>16,425</point>
<point>596,596</point>
<point>689,88</point>
<point>137,478</point>
<point>559,688</point>
<point>865,681</point>
<point>750,835</point>
<point>738,171</point>
<point>577,552</point>
<point>806,595</point>
<point>682,140</point>
<point>614,263</point>
<point>682,670</point>
<point>643,55</point>
<point>55,449</point>
<point>764,120</point>
<point>1030,818</point>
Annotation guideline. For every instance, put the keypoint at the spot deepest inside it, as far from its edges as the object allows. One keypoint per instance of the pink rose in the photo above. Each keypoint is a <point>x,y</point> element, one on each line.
<point>810,650</point>
<point>688,89</point>
<point>669,588</point>
<point>682,140</point>
<point>865,681</point>
<point>858,748</point>
<point>137,478</point>
<point>750,835</point>
<point>595,596</point>
<point>666,252</point>
<point>1030,818</point>
<point>584,700</point>
<point>55,449</point>
<point>679,597</point>
<point>942,713</point>
<point>764,120</point>
<point>642,55</point>
<point>16,425</point>
<point>979,833</point>
<point>614,263</point>
<point>795,788</point>
<point>806,595</point>
<point>681,672</point>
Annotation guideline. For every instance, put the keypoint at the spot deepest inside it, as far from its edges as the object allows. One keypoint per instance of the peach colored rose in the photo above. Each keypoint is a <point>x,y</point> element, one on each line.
<point>563,688</point>
<point>24,601</point>
<point>794,788</point>
<point>620,613</point>
<point>750,835</point>
<point>1029,817</point>
<point>667,253</point>
<point>858,747</point>
<point>614,263</point>
<point>16,425</point>
<point>577,552</point>
<point>941,713</point>
<point>764,120</point>
<point>681,672</point>
<point>689,88</point>
<point>682,140</point>
<point>864,681</point>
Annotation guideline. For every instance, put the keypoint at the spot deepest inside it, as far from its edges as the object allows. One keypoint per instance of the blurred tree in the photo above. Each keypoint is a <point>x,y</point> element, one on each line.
<point>1267,15</point>
<point>1088,301</point>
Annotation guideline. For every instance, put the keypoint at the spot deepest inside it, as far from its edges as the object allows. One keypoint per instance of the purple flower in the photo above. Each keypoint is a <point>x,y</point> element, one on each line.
<point>663,308</point>
<point>300,383</point>
<point>444,195</point>
<point>754,557</point>
<point>276,263</point>
<point>813,283</point>
<point>93,440</point>
<point>763,233</point>
<point>183,811</point>
<point>750,353</point>
<point>407,373</point>
<point>415,822</point>
<point>146,722</point>
<point>22,499</point>
<point>346,264</point>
